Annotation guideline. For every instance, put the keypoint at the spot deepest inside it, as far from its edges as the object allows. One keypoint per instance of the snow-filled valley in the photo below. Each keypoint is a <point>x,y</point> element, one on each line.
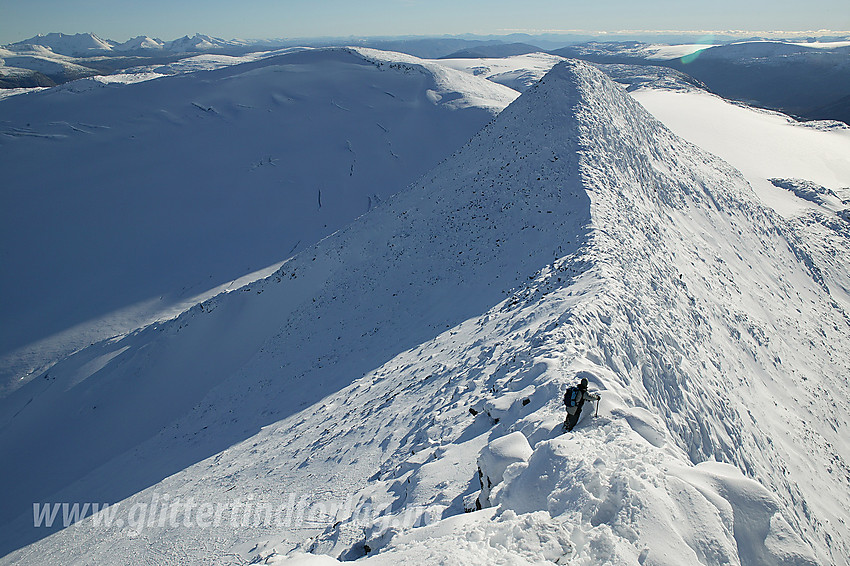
<point>391,392</point>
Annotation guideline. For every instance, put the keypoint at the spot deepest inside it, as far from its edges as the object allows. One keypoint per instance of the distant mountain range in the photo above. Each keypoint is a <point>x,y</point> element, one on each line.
<point>88,44</point>
<point>55,58</point>
<point>807,77</point>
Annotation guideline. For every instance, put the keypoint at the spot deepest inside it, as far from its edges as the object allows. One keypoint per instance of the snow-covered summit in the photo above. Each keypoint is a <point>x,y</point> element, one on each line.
<point>142,42</point>
<point>573,235</point>
<point>200,42</point>
<point>78,44</point>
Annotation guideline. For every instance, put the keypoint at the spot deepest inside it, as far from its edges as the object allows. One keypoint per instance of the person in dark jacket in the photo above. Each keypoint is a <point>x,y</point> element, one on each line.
<point>574,398</point>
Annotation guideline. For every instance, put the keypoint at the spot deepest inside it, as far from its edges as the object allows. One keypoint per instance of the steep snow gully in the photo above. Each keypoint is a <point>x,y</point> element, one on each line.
<point>574,234</point>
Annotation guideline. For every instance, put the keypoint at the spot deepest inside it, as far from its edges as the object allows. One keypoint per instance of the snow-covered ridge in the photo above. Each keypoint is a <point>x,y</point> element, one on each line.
<point>140,42</point>
<point>663,214</point>
<point>521,72</point>
<point>56,58</point>
<point>740,50</point>
<point>29,59</point>
<point>573,234</point>
<point>744,51</point>
<point>518,72</point>
<point>65,44</point>
<point>454,88</point>
<point>201,42</point>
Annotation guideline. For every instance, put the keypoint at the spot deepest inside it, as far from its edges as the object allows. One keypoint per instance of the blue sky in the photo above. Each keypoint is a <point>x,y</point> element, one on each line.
<point>168,19</point>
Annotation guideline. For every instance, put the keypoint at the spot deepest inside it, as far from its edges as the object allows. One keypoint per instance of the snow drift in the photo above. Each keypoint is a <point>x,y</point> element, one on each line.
<point>573,234</point>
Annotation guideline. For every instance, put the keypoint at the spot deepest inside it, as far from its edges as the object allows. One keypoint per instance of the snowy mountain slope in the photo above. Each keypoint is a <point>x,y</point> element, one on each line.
<point>62,58</point>
<point>140,42</point>
<point>201,42</point>
<point>56,58</point>
<point>825,43</point>
<point>731,443</point>
<point>139,419</point>
<point>518,72</point>
<point>634,50</point>
<point>523,71</point>
<point>795,78</point>
<point>454,88</point>
<point>186,64</point>
<point>78,44</point>
<point>39,59</point>
<point>665,52</point>
<point>638,520</point>
<point>627,254</point>
<point>739,51</point>
<point>636,77</point>
<point>156,192</point>
<point>770,50</point>
<point>766,147</point>
<point>761,144</point>
<point>211,62</point>
<point>17,80</point>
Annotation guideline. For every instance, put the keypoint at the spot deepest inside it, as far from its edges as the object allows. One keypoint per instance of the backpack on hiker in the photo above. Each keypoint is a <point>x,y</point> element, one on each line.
<point>572,396</point>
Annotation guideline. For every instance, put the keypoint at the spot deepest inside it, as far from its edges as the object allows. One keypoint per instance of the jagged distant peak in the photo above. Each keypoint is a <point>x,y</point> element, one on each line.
<point>200,42</point>
<point>82,44</point>
<point>140,42</point>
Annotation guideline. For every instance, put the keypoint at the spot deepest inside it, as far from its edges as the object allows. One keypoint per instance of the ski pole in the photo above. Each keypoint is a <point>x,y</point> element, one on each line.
<point>597,408</point>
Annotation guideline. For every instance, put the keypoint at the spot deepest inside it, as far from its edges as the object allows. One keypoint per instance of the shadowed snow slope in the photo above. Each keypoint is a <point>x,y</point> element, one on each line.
<point>121,203</point>
<point>573,234</point>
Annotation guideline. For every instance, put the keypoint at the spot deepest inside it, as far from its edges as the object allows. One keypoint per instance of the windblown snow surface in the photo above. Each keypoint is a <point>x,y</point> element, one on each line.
<point>574,235</point>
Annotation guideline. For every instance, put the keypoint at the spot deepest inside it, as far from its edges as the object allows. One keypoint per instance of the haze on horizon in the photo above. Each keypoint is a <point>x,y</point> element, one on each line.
<point>120,19</point>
